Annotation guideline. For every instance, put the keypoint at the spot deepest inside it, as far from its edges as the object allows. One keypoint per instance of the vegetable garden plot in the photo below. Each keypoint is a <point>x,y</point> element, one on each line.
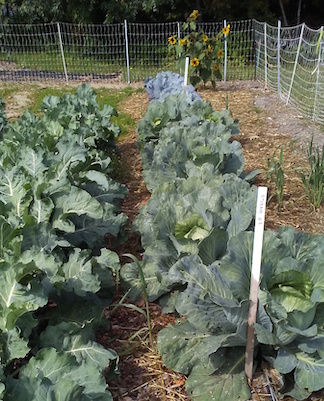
<point>247,142</point>
<point>196,232</point>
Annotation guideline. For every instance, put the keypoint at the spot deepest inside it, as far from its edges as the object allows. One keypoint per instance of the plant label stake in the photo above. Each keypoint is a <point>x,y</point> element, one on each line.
<point>255,278</point>
<point>185,82</point>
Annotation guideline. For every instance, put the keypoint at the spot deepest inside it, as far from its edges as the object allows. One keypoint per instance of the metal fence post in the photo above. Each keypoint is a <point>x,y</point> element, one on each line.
<point>317,69</point>
<point>265,57</point>
<point>179,35</point>
<point>225,53</point>
<point>278,59</point>
<point>255,53</point>
<point>317,80</point>
<point>62,51</point>
<point>296,62</point>
<point>127,52</point>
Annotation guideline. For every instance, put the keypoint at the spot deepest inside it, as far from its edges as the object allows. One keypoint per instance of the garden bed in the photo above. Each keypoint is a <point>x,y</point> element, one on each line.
<point>266,128</point>
<point>266,125</point>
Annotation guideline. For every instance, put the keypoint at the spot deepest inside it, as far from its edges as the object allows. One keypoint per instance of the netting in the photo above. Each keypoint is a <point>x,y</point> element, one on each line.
<point>95,51</point>
<point>148,48</point>
<point>290,61</point>
<point>126,51</point>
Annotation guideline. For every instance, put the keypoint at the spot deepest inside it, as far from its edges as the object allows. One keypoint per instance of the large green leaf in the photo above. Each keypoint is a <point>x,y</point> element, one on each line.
<point>78,275</point>
<point>13,345</point>
<point>205,295</point>
<point>308,368</point>
<point>13,191</point>
<point>72,339</point>
<point>223,380</point>
<point>32,162</point>
<point>68,154</point>
<point>53,374</point>
<point>155,269</point>
<point>76,202</point>
<point>237,262</point>
<point>213,246</point>
<point>303,246</point>
<point>184,346</point>
<point>91,232</point>
<point>9,237</point>
<point>17,299</point>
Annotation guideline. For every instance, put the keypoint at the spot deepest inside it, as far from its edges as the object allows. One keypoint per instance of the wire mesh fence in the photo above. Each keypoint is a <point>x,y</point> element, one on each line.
<point>125,51</point>
<point>290,61</point>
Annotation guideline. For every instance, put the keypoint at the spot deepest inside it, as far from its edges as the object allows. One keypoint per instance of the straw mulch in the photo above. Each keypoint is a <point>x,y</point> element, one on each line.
<point>266,125</point>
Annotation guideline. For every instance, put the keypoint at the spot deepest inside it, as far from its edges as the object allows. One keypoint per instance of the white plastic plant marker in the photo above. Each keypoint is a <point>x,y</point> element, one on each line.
<point>255,278</point>
<point>185,82</point>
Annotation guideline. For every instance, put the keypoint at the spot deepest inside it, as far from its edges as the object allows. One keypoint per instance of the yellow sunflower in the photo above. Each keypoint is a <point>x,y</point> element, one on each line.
<point>172,40</point>
<point>215,67</point>
<point>183,42</point>
<point>205,38</point>
<point>226,30</point>
<point>194,15</point>
<point>220,53</point>
<point>194,62</point>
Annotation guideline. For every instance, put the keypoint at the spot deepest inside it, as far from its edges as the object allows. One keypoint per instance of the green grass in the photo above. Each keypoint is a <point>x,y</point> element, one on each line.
<point>36,94</point>
<point>45,61</point>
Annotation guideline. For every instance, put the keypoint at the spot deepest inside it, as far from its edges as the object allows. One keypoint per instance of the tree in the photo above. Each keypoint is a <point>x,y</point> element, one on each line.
<point>283,13</point>
<point>299,11</point>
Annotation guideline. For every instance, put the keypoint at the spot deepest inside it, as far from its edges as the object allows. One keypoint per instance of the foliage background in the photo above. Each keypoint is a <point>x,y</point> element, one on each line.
<point>108,11</point>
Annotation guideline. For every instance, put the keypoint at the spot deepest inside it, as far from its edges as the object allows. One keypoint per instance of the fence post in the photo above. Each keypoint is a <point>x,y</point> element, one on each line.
<point>278,59</point>
<point>179,35</point>
<point>62,51</point>
<point>296,61</point>
<point>225,53</point>
<point>317,69</point>
<point>265,57</point>
<point>317,79</point>
<point>127,52</point>
<point>255,54</point>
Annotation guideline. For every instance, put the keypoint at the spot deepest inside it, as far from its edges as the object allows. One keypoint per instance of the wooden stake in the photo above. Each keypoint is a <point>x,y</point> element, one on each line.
<point>255,278</point>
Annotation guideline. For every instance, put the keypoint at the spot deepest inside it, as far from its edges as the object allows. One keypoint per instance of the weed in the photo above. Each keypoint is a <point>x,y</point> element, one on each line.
<point>143,282</point>
<point>275,174</point>
<point>314,180</point>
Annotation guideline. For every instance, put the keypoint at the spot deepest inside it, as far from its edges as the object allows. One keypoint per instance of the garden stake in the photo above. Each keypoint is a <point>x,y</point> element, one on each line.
<point>255,278</point>
<point>185,82</point>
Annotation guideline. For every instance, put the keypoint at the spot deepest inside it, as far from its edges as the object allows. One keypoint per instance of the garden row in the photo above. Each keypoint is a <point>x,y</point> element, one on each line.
<point>197,234</point>
<point>57,204</point>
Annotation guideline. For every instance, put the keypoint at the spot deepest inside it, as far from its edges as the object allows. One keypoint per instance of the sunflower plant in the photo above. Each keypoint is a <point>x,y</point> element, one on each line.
<point>205,52</point>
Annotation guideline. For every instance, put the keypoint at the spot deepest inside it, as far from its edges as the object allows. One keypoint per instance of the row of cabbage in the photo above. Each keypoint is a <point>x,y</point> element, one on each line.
<point>57,203</point>
<point>197,235</point>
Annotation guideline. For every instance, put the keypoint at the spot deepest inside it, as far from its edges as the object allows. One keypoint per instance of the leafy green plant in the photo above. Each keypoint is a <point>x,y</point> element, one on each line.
<point>196,231</point>
<point>177,107</point>
<point>194,140</point>
<point>275,174</point>
<point>314,180</point>
<point>193,216</point>
<point>57,202</point>
<point>205,53</point>
<point>208,344</point>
